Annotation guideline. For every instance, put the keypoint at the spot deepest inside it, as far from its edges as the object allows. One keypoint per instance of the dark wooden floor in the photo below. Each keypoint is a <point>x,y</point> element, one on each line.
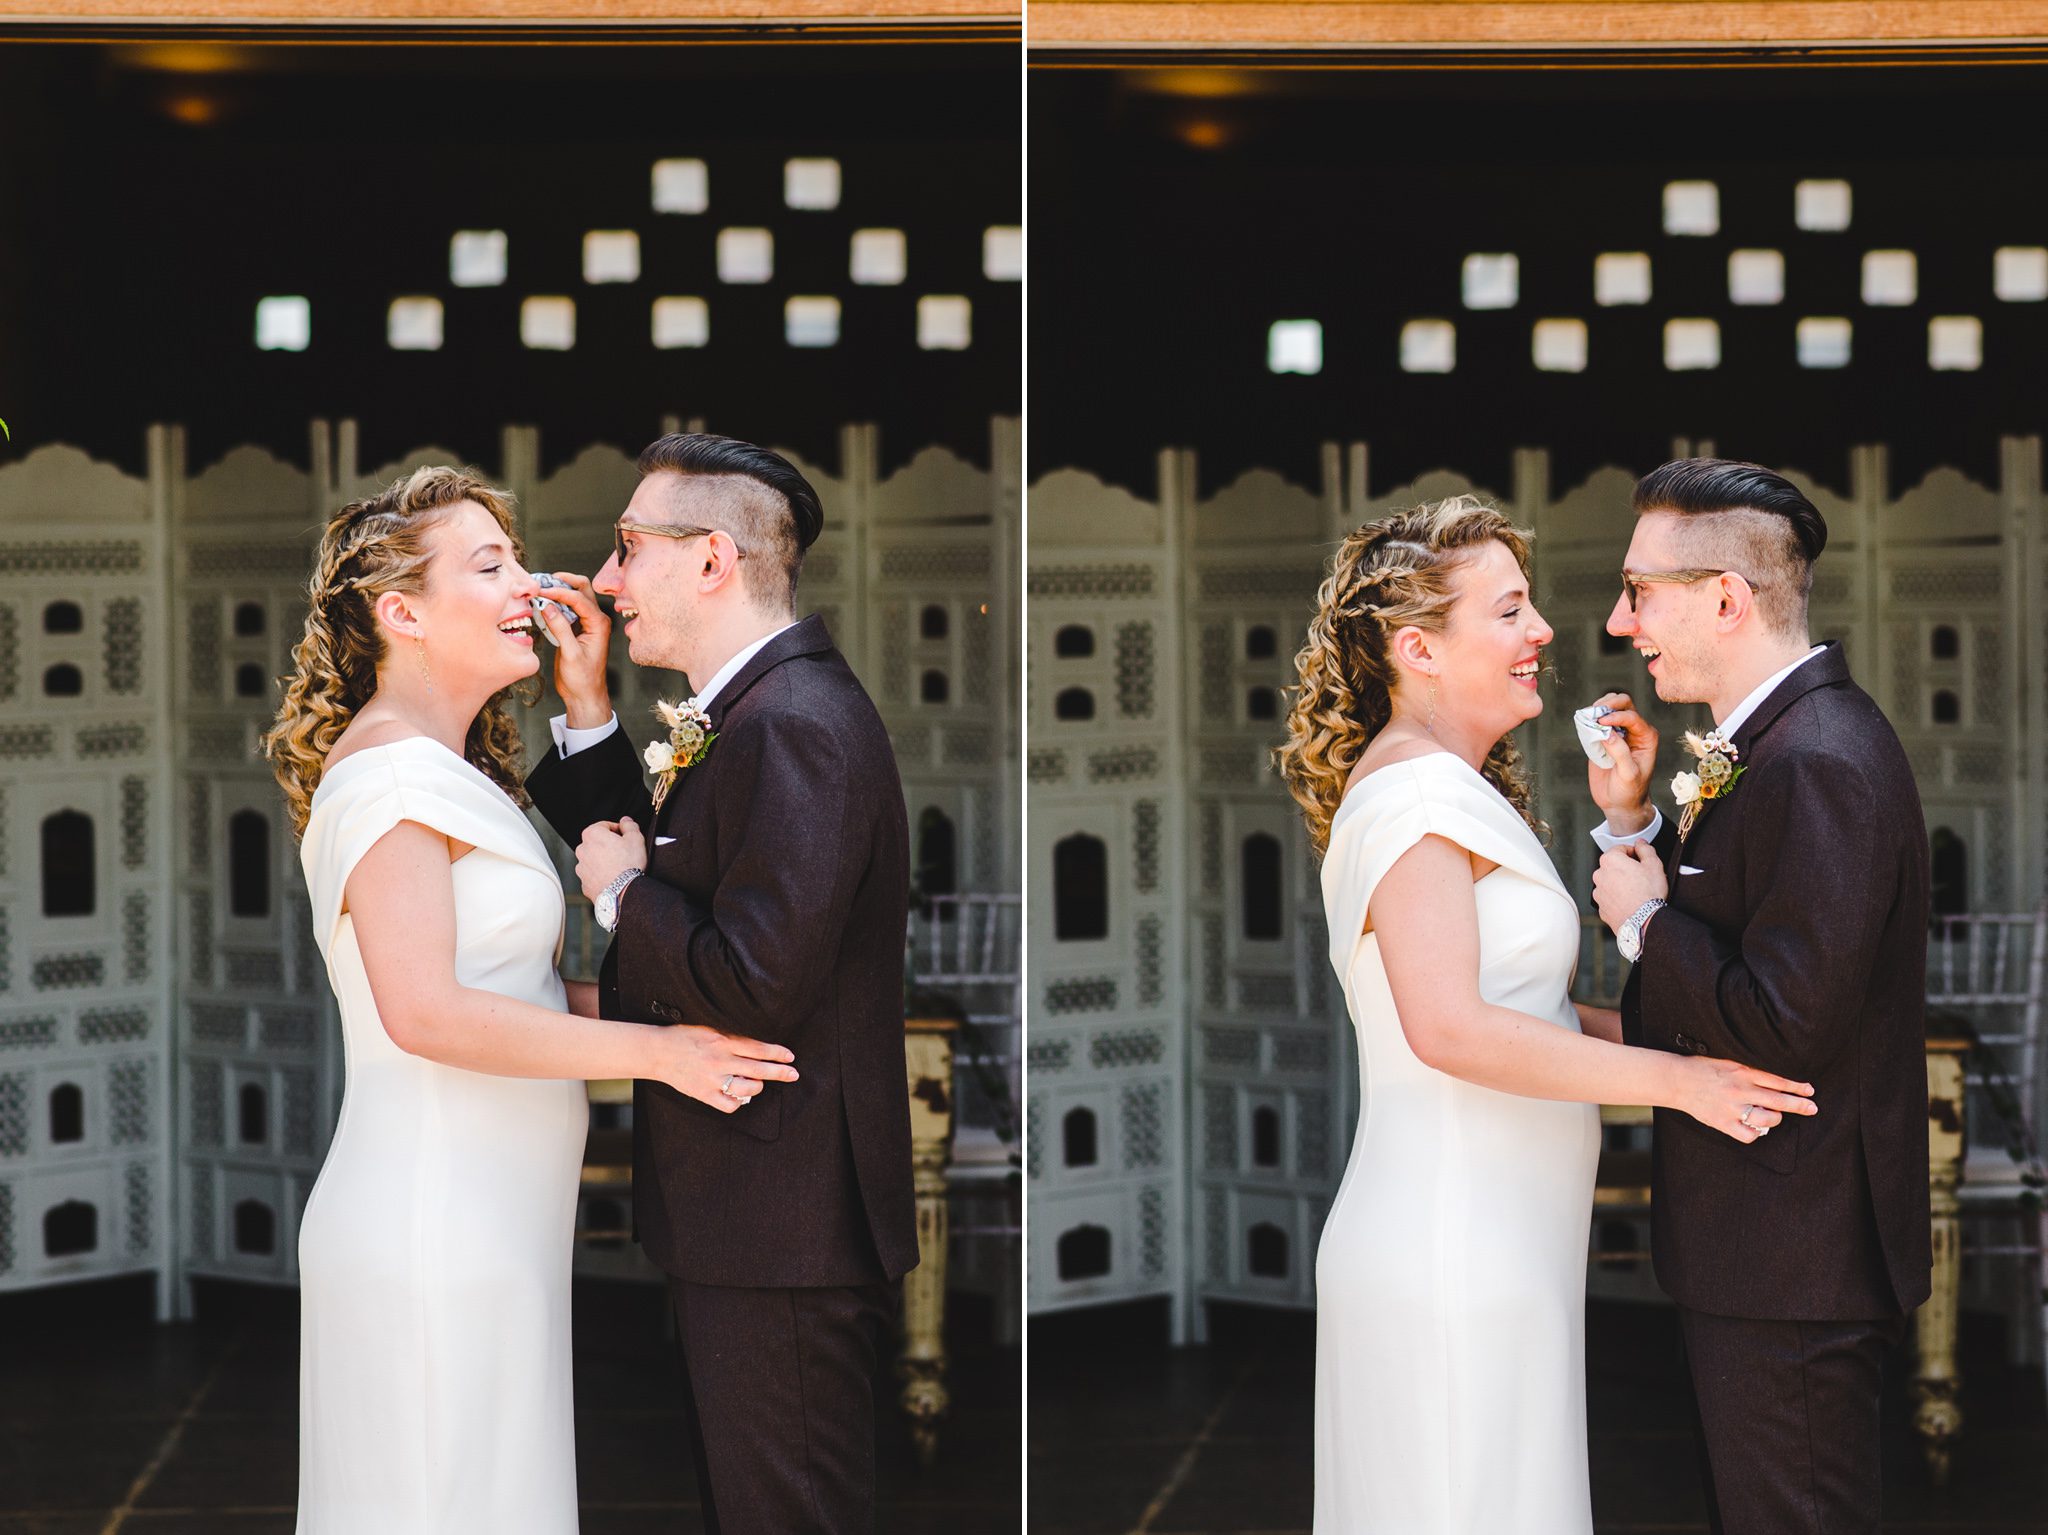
<point>109,1422</point>
<point>1130,1437</point>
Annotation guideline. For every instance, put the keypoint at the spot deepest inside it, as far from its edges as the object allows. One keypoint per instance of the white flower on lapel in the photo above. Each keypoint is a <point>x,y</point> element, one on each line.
<point>689,737</point>
<point>1720,769</point>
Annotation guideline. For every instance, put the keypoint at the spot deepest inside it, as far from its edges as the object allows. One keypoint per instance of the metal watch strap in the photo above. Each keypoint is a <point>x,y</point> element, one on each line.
<point>607,902</point>
<point>1630,939</point>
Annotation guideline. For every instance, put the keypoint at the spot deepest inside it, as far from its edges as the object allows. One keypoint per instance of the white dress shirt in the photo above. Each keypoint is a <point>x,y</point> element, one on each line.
<point>1606,839</point>
<point>569,740</point>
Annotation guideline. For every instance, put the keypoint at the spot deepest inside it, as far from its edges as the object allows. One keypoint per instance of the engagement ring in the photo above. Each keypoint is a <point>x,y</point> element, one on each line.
<point>726,1086</point>
<point>1748,1109</point>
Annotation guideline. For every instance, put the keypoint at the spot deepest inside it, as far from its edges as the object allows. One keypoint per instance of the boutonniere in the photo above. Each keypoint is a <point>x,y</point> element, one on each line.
<point>1715,779</point>
<point>689,737</point>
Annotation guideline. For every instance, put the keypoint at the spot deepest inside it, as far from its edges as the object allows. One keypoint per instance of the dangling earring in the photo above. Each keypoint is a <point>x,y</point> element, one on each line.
<point>1430,723</point>
<point>426,676</point>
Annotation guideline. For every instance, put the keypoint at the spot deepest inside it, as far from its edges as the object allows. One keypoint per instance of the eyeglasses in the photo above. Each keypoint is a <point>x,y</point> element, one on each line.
<point>1631,580</point>
<point>660,530</point>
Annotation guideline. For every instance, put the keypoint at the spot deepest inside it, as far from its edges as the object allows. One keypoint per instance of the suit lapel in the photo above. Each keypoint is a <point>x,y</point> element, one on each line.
<point>808,636</point>
<point>1824,670</point>
<point>805,637</point>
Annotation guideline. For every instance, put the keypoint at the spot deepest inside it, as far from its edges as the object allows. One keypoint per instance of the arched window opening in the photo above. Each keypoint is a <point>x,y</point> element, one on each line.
<point>937,860</point>
<point>933,688</point>
<point>1080,887</point>
<point>255,1228</point>
<point>63,681</point>
<point>252,1115</point>
<point>63,618</point>
<point>1261,869</point>
<point>68,865</point>
<point>248,864</point>
<point>934,622</point>
<point>67,1114</point>
<point>249,680</point>
<point>1260,643</point>
<point>1948,709</point>
<point>1084,1253</point>
<point>1948,873</point>
<point>1266,1251</point>
<point>1262,704</point>
<point>1074,704</point>
<point>1944,644</point>
<point>1077,1138</point>
<point>249,620</point>
<point>70,1229</point>
<point>1266,1136</point>
<point>1073,641</point>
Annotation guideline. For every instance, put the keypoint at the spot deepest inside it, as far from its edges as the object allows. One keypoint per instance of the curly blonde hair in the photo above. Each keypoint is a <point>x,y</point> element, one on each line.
<point>1387,574</point>
<point>374,546</point>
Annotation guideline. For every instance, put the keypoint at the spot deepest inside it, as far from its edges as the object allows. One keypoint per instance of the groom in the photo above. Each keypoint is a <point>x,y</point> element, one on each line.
<point>771,903</point>
<point>1782,924</point>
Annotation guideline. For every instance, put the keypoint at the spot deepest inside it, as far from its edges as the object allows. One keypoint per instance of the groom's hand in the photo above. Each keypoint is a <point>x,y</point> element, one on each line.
<point>1623,791</point>
<point>1628,876</point>
<point>608,849</point>
<point>580,653</point>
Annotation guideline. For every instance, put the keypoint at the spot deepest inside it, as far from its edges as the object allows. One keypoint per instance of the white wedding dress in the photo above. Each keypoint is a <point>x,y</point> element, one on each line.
<point>434,1391</point>
<point>1450,1281</point>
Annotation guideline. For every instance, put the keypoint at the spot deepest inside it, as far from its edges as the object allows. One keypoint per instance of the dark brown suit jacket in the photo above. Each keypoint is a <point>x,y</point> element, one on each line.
<point>778,912</point>
<point>1800,946</point>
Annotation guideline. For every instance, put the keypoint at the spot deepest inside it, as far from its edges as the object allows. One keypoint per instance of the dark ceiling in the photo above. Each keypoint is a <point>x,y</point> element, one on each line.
<point>150,194</point>
<point>1176,212</point>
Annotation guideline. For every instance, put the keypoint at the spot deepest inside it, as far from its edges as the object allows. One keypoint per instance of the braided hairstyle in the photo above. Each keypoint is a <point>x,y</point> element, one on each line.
<point>374,546</point>
<point>1387,574</point>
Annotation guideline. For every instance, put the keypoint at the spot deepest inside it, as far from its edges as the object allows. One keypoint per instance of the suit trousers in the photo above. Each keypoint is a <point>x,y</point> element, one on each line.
<point>1789,1422</point>
<point>780,1388</point>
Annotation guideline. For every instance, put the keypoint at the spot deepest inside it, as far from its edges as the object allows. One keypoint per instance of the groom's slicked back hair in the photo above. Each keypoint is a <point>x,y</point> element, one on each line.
<point>1746,518</point>
<point>757,496</point>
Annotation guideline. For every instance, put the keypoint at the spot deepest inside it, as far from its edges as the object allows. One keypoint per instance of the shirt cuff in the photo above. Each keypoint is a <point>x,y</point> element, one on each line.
<point>1605,839</point>
<point>569,740</point>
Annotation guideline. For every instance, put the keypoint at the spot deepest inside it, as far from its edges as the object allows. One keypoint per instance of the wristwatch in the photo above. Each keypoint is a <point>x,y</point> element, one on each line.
<point>1630,939</point>
<point>606,907</point>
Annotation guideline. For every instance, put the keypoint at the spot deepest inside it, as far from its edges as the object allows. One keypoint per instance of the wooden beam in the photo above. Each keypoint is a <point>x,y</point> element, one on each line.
<point>1580,24</point>
<point>594,13</point>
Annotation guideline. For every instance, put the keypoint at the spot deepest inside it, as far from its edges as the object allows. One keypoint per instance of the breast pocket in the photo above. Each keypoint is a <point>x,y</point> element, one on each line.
<point>1707,891</point>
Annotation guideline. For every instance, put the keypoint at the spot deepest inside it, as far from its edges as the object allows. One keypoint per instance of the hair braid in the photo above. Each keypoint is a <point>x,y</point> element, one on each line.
<point>370,547</point>
<point>1387,574</point>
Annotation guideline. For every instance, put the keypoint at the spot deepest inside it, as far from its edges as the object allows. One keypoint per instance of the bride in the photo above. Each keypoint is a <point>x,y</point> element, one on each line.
<point>434,1394</point>
<point>1450,1281</point>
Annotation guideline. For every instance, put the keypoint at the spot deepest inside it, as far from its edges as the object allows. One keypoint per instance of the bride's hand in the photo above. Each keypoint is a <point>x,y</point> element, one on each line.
<point>700,1062</point>
<point>1718,1092</point>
